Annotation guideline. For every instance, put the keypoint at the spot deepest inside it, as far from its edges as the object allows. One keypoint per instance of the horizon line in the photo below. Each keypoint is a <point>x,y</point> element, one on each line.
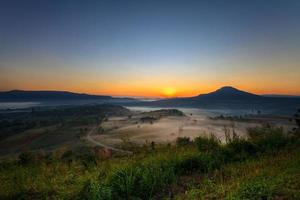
<point>149,97</point>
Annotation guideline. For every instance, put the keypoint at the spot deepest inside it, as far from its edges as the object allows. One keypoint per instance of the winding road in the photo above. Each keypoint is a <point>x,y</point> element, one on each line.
<point>92,140</point>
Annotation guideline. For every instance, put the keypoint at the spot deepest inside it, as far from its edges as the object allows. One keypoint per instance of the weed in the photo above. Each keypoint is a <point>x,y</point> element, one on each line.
<point>254,190</point>
<point>207,144</point>
<point>183,141</point>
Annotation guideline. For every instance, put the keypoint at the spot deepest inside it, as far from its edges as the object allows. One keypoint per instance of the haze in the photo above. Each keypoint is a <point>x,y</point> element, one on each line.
<point>150,48</point>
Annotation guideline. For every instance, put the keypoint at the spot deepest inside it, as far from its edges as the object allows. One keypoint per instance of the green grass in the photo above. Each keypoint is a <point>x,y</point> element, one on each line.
<point>256,168</point>
<point>268,177</point>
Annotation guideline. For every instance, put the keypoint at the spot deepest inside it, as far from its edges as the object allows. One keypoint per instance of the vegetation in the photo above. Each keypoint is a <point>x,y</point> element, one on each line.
<point>163,112</point>
<point>183,141</point>
<point>265,177</point>
<point>231,118</point>
<point>207,144</point>
<point>255,168</point>
<point>17,122</point>
<point>50,127</point>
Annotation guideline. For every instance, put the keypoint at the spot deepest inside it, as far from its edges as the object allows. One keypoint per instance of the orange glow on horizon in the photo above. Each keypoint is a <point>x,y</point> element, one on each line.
<point>147,83</point>
<point>151,87</point>
<point>167,92</point>
<point>171,92</point>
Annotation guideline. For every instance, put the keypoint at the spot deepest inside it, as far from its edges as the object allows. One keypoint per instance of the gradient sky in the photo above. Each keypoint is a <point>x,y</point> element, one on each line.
<point>150,48</point>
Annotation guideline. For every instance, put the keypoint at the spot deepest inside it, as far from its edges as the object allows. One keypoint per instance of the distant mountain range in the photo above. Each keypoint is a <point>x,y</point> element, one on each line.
<point>231,98</point>
<point>25,96</point>
<point>223,98</point>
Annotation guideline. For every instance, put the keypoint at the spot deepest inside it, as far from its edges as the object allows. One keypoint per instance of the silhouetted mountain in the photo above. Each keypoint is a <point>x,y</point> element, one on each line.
<point>223,95</point>
<point>231,98</point>
<point>20,95</point>
<point>228,93</point>
<point>224,98</point>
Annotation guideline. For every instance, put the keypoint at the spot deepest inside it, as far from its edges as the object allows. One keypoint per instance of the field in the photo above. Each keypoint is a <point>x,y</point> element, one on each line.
<point>110,152</point>
<point>265,166</point>
<point>49,128</point>
<point>191,124</point>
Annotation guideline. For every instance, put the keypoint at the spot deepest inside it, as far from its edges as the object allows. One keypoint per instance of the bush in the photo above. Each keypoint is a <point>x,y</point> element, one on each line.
<point>33,194</point>
<point>210,161</point>
<point>189,164</point>
<point>141,181</point>
<point>296,119</point>
<point>88,160</point>
<point>268,138</point>
<point>238,150</point>
<point>27,158</point>
<point>207,144</point>
<point>155,177</point>
<point>182,141</point>
<point>124,181</point>
<point>95,191</point>
<point>258,189</point>
<point>68,156</point>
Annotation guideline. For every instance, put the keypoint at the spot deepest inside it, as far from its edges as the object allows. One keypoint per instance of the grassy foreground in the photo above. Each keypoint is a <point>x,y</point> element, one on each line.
<point>265,166</point>
<point>269,177</point>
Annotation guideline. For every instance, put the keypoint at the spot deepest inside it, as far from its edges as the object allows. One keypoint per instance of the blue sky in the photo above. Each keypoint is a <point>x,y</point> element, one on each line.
<point>144,47</point>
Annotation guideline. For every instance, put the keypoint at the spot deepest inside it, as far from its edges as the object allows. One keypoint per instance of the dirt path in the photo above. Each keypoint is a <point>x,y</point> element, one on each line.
<point>92,140</point>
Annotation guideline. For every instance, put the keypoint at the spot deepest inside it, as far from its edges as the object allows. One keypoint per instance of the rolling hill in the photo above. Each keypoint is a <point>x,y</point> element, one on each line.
<point>26,96</point>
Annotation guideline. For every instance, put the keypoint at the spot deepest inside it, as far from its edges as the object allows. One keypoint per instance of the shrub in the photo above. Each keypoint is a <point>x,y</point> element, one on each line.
<point>182,141</point>
<point>209,162</point>
<point>124,181</point>
<point>296,119</point>
<point>189,164</point>
<point>155,177</point>
<point>238,150</point>
<point>207,144</point>
<point>95,191</point>
<point>142,180</point>
<point>27,158</point>
<point>258,189</point>
<point>268,138</point>
<point>88,160</point>
<point>68,156</point>
<point>33,194</point>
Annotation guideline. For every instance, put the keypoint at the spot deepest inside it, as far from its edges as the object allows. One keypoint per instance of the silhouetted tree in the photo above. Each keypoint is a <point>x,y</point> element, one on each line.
<point>296,119</point>
<point>153,145</point>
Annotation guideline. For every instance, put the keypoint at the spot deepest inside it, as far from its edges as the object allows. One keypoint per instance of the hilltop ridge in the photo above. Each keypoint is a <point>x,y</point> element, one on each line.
<point>48,95</point>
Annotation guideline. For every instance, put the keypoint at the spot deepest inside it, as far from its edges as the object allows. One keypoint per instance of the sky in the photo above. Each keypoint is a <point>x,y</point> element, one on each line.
<point>163,48</point>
